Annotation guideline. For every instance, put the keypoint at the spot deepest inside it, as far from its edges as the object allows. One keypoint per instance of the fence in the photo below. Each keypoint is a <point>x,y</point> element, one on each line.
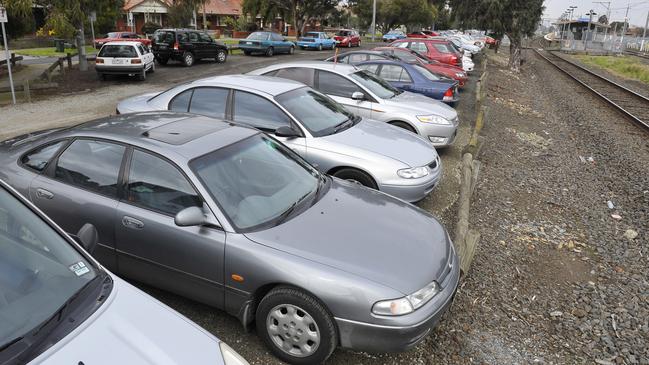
<point>605,43</point>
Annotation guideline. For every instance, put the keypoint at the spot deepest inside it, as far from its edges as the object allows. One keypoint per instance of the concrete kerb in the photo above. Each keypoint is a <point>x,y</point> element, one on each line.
<point>466,239</point>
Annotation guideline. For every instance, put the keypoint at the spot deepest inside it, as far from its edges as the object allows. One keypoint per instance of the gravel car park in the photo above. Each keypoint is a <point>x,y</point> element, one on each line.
<point>228,216</point>
<point>369,96</point>
<point>349,147</point>
<point>59,306</point>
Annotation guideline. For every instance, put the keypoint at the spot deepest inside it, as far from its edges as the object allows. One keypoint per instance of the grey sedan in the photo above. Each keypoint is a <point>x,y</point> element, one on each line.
<point>229,216</point>
<point>368,152</point>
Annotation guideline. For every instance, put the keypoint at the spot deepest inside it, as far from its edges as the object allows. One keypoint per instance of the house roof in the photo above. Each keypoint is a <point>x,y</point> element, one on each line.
<point>222,7</point>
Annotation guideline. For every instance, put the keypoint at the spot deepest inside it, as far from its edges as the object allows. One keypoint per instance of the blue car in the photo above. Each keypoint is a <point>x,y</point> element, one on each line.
<point>267,43</point>
<point>316,40</point>
<point>414,78</point>
<point>393,35</point>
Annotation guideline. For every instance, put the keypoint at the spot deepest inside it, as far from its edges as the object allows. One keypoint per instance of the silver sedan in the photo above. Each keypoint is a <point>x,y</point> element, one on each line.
<point>368,95</point>
<point>353,148</point>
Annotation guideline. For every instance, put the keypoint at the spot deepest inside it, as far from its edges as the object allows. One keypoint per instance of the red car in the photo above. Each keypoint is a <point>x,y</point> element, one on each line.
<point>121,36</point>
<point>435,49</point>
<point>422,34</point>
<point>347,38</point>
<point>436,67</point>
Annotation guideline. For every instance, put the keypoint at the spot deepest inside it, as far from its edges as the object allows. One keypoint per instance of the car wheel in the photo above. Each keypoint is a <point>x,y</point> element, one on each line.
<point>142,75</point>
<point>302,48</point>
<point>291,50</point>
<point>320,47</point>
<point>404,125</point>
<point>162,61</point>
<point>296,327</point>
<point>152,69</point>
<point>356,177</point>
<point>188,59</point>
<point>247,53</point>
<point>269,52</point>
<point>221,56</point>
<point>101,76</point>
<point>349,45</point>
<point>359,43</point>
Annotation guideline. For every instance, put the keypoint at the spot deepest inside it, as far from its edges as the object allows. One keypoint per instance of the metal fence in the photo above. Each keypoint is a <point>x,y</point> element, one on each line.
<point>605,42</point>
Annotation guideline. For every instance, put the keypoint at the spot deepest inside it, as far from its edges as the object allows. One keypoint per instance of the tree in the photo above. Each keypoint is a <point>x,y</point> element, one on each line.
<point>298,12</point>
<point>20,17</point>
<point>603,19</point>
<point>513,18</point>
<point>392,13</point>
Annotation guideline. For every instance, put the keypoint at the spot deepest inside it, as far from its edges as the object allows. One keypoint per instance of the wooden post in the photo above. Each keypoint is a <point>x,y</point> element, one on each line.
<point>69,58</point>
<point>13,60</point>
<point>26,91</point>
<point>462,227</point>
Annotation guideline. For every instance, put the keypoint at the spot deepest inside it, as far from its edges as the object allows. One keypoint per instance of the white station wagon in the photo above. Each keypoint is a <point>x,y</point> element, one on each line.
<point>124,58</point>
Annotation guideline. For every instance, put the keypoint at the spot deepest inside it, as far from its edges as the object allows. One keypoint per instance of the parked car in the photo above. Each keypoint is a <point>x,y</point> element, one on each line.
<point>316,127</point>
<point>267,43</point>
<point>403,55</point>
<point>347,38</point>
<point>60,306</point>
<point>124,58</point>
<point>186,46</point>
<point>121,36</point>
<point>419,34</point>
<point>414,78</point>
<point>227,215</point>
<point>393,35</point>
<point>364,94</point>
<point>316,40</point>
<point>435,49</point>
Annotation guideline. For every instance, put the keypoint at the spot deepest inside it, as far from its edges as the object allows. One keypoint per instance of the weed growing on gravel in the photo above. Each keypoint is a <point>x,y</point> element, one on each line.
<point>624,66</point>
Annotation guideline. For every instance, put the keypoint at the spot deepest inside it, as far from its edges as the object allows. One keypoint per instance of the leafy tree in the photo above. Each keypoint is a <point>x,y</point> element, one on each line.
<point>180,14</point>
<point>298,12</point>
<point>20,17</point>
<point>603,19</point>
<point>392,13</point>
<point>514,18</point>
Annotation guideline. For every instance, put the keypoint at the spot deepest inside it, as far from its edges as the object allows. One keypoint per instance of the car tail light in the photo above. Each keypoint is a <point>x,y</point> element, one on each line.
<point>454,59</point>
<point>448,93</point>
<point>99,60</point>
<point>176,46</point>
<point>135,61</point>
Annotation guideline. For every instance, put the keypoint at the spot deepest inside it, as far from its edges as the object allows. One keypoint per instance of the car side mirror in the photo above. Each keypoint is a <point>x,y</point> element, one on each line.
<point>286,131</point>
<point>88,237</point>
<point>357,95</point>
<point>189,217</point>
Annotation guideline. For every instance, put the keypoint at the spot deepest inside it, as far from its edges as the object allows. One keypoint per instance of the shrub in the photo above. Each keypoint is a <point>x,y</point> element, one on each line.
<point>149,27</point>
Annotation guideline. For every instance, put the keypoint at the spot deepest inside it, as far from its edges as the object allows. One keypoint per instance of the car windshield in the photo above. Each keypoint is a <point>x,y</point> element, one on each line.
<point>39,270</point>
<point>258,36</point>
<point>317,112</point>
<point>343,33</point>
<point>375,84</point>
<point>257,181</point>
<point>427,74</point>
<point>312,35</point>
<point>112,35</point>
<point>405,56</point>
<point>118,51</point>
<point>395,32</point>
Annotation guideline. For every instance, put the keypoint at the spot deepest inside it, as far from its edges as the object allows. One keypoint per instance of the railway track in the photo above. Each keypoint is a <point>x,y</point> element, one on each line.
<point>637,54</point>
<point>630,103</point>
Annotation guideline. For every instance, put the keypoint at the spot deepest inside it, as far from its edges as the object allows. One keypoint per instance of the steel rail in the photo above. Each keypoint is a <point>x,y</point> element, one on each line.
<point>607,94</point>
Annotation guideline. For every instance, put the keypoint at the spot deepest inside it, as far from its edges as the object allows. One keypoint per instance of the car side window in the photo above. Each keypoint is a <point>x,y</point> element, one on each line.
<point>205,38</point>
<point>277,37</point>
<point>92,165</point>
<point>333,84</point>
<point>193,37</point>
<point>300,74</point>
<point>180,102</point>
<point>156,184</point>
<point>441,48</point>
<point>395,73</point>
<point>419,47</point>
<point>373,57</point>
<point>258,112</point>
<point>37,159</point>
<point>210,101</point>
<point>143,51</point>
<point>354,58</point>
<point>401,44</point>
<point>370,68</point>
<point>183,38</point>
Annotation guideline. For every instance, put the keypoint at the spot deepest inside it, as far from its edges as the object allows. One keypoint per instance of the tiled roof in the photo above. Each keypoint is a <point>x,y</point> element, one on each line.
<point>224,7</point>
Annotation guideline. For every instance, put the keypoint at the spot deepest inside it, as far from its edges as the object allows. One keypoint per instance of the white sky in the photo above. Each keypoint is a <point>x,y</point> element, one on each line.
<point>637,9</point>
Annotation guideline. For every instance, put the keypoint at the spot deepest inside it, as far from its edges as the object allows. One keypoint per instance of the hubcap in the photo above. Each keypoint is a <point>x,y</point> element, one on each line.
<point>221,56</point>
<point>189,59</point>
<point>293,330</point>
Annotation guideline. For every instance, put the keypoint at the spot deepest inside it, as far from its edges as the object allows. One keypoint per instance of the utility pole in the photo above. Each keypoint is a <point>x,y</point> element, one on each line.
<point>589,34</point>
<point>373,20</point>
<point>644,33</point>
<point>626,17</point>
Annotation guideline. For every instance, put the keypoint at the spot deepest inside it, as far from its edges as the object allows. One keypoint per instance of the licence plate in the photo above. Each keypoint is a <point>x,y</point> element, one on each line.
<point>118,62</point>
<point>248,42</point>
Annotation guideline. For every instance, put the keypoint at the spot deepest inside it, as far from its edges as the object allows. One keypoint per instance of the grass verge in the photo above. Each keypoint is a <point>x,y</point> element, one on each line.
<point>623,66</point>
<point>50,51</point>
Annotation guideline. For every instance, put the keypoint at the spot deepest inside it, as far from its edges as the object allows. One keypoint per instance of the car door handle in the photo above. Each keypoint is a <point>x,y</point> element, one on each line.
<point>44,194</point>
<point>130,222</point>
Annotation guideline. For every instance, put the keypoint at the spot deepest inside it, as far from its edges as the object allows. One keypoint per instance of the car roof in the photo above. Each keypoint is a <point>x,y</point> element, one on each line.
<point>122,43</point>
<point>266,84</point>
<point>185,134</point>
<point>388,62</point>
<point>341,68</point>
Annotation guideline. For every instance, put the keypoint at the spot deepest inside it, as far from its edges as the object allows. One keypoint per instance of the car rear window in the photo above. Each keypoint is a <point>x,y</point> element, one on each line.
<point>118,51</point>
<point>344,33</point>
<point>112,35</point>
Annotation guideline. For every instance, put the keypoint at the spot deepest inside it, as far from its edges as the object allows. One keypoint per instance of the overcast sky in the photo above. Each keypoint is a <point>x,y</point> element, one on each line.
<point>637,11</point>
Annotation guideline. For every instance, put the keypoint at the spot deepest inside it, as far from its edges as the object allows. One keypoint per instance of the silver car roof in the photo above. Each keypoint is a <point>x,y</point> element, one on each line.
<point>266,84</point>
<point>340,68</point>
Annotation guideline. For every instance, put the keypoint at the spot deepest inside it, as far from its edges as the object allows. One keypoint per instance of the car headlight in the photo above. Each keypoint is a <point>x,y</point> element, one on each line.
<point>231,357</point>
<point>460,74</point>
<point>395,307</point>
<point>434,119</point>
<point>408,304</point>
<point>423,295</point>
<point>413,172</point>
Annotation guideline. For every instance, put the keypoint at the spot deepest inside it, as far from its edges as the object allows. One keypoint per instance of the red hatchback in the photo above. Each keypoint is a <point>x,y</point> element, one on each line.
<point>422,34</point>
<point>347,38</point>
<point>436,67</point>
<point>435,49</point>
<point>121,36</point>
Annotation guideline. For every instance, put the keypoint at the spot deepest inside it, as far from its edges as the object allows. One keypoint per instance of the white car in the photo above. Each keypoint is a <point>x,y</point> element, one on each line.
<point>124,58</point>
<point>60,306</point>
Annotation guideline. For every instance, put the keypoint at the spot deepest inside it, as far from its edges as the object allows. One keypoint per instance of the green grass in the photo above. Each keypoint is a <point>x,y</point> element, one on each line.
<point>624,66</point>
<point>50,51</point>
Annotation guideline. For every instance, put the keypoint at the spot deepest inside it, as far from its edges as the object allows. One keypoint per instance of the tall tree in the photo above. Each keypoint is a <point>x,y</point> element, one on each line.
<point>393,13</point>
<point>514,18</point>
<point>20,16</point>
<point>298,12</point>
